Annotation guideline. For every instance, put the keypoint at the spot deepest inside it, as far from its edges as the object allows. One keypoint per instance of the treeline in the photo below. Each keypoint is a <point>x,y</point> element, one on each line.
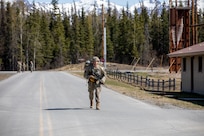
<point>53,39</point>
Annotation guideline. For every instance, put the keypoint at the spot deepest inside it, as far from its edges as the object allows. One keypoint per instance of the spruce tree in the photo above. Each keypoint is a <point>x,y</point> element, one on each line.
<point>164,48</point>
<point>145,47</point>
<point>46,41</point>
<point>89,42</point>
<point>10,49</point>
<point>67,30</point>
<point>74,45</point>
<point>201,27</point>
<point>3,59</point>
<point>109,24</point>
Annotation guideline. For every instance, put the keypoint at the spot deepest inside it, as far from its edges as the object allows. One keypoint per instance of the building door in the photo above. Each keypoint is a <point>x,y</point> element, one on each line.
<point>192,74</point>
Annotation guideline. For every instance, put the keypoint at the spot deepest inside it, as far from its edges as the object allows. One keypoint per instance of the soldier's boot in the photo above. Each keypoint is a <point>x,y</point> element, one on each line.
<point>97,106</point>
<point>91,103</point>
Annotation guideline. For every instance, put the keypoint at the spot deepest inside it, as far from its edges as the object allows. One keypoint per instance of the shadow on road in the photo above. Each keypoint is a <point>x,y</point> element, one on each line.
<point>67,109</point>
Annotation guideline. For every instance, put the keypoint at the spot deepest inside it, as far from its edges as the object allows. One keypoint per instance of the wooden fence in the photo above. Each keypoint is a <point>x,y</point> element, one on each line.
<point>144,82</point>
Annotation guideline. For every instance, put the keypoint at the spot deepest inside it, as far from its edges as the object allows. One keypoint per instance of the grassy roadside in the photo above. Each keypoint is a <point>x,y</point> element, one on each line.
<point>159,100</point>
<point>5,76</point>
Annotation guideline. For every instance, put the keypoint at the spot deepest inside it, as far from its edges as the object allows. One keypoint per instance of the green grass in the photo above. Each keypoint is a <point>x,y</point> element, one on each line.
<point>160,99</point>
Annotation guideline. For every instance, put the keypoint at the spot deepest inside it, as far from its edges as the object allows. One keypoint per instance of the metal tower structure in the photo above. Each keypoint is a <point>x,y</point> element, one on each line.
<point>182,28</point>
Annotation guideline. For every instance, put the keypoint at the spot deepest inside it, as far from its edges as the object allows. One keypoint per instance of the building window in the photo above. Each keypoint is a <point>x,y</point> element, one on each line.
<point>184,64</point>
<point>200,64</point>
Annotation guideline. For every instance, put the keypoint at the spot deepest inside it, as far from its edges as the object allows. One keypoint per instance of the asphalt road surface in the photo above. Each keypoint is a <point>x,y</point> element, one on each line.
<point>57,104</point>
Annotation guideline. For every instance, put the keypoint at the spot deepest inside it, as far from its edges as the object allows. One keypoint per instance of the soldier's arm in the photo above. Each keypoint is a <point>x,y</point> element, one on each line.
<point>103,78</point>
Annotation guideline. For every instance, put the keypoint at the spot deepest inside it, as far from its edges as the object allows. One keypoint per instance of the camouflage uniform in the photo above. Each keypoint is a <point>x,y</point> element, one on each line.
<point>19,66</point>
<point>23,66</point>
<point>31,66</point>
<point>96,76</point>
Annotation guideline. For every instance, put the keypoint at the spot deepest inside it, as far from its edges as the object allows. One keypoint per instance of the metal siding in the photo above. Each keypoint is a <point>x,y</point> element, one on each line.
<point>198,77</point>
<point>186,76</point>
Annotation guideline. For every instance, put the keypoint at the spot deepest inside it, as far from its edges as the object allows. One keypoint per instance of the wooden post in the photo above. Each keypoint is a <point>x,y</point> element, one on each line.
<point>137,79</point>
<point>169,84</point>
<point>171,64</point>
<point>150,63</point>
<point>152,84</point>
<point>146,81</point>
<point>141,80</point>
<point>135,64</point>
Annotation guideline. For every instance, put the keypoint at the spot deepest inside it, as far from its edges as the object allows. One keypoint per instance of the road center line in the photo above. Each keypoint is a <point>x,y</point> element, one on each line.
<point>43,97</point>
<point>41,129</point>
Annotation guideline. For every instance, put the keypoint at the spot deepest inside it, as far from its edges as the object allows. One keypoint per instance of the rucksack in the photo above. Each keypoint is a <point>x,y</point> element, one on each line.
<point>87,68</point>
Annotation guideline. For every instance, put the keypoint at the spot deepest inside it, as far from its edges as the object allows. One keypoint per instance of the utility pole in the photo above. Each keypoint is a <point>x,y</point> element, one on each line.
<point>193,21</point>
<point>103,38</point>
<point>196,22</point>
<point>105,52</point>
<point>102,50</point>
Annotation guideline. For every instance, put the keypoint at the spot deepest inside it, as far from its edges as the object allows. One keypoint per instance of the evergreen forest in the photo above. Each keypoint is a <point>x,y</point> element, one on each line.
<point>53,39</point>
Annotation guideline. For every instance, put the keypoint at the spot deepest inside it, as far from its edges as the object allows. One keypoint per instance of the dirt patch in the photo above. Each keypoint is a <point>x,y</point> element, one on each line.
<point>5,76</point>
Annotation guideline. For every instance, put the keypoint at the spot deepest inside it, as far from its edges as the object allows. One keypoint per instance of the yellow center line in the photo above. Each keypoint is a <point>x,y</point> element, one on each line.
<point>41,129</point>
<point>49,121</point>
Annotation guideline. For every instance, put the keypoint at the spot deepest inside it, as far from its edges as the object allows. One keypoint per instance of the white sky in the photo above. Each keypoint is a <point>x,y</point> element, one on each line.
<point>118,2</point>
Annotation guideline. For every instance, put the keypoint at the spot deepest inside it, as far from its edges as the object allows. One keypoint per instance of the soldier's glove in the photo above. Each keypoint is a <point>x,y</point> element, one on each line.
<point>99,81</point>
<point>92,79</point>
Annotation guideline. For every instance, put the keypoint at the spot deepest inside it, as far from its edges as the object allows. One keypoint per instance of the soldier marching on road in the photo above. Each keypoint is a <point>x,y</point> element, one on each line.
<point>19,66</point>
<point>96,76</point>
<point>31,66</point>
<point>23,67</point>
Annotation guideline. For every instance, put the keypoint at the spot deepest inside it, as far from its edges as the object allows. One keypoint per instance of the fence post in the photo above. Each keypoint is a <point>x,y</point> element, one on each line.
<point>141,80</point>
<point>169,84</point>
<point>146,81</point>
<point>149,83</point>
<point>163,86</point>
<point>174,84</point>
<point>137,79</point>
<point>132,78</point>
<point>158,85</point>
<point>152,84</point>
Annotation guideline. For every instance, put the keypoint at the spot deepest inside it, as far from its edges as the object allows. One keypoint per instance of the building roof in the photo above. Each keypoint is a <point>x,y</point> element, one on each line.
<point>195,50</point>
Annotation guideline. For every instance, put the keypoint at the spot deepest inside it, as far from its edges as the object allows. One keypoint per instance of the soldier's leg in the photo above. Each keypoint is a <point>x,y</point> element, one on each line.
<point>91,94</point>
<point>97,93</point>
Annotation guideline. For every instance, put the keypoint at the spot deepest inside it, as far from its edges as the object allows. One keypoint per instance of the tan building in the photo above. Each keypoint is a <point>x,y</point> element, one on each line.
<point>192,64</point>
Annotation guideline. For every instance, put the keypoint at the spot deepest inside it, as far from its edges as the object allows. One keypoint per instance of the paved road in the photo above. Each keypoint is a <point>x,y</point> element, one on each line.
<point>56,104</point>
